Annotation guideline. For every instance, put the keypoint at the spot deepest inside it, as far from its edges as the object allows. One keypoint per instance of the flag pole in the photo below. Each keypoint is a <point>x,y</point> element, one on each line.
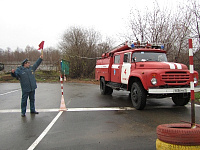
<point>41,45</point>
<point>42,51</point>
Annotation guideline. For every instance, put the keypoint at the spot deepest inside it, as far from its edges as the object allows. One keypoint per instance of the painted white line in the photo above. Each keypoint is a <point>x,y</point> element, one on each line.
<point>68,102</point>
<point>172,106</point>
<point>189,105</point>
<point>196,105</point>
<point>101,109</point>
<point>47,110</point>
<point>37,141</point>
<point>92,109</point>
<point>71,109</point>
<point>19,110</point>
<point>10,92</point>
<point>10,110</point>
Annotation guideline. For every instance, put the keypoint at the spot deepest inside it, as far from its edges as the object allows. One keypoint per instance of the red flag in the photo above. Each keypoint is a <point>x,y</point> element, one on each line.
<point>41,45</point>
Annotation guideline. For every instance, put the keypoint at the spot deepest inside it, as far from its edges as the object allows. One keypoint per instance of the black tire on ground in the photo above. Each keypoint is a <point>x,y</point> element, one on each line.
<point>138,96</point>
<point>179,134</point>
<point>180,99</point>
<point>105,90</point>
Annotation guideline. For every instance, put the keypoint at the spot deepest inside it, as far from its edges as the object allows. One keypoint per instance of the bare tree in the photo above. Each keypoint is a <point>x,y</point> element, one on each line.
<point>18,54</point>
<point>31,53</point>
<point>194,7</point>
<point>81,47</point>
<point>164,27</point>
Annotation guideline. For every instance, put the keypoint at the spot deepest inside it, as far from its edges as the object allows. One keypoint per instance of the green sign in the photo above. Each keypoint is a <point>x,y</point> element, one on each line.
<point>64,67</point>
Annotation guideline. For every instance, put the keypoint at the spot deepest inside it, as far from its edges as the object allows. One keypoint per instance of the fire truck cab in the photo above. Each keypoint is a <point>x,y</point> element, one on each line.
<point>143,70</point>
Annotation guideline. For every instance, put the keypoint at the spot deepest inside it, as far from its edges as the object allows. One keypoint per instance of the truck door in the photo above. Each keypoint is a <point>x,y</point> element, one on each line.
<point>126,68</point>
<point>116,70</point>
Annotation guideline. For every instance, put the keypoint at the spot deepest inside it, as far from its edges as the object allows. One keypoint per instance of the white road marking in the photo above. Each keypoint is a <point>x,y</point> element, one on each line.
<point>19,110</point>
<point>196,105</point>
<point>10,92</point>
<point>37,141</point>
<point>10,110</point>
<point>91,109</point>
<point>71,109</point>
<point>68,102</point>
<point>42,135</point>
<point>101,109</point>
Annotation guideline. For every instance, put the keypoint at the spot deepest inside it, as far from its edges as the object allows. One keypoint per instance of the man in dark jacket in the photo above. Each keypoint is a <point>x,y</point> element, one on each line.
<point>26,74</point>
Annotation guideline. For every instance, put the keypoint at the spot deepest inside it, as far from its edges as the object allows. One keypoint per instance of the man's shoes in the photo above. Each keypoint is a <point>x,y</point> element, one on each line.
<point>35,112</point>
<point>23,115</point>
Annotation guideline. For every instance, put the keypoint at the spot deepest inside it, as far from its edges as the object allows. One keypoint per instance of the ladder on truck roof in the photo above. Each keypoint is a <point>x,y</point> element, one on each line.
<point>132,45</point>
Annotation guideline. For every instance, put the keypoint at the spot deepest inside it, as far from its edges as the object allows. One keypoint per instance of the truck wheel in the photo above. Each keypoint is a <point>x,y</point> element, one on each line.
<point>138,95</point>
<point>105,90</point>
<point>180,99</point>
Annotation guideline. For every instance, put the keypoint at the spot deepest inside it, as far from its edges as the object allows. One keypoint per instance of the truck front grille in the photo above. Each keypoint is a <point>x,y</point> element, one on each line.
<point>178,78</point>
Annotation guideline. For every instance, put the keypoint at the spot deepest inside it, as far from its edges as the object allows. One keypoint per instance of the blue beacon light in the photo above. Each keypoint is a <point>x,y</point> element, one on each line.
<point>132,45</point>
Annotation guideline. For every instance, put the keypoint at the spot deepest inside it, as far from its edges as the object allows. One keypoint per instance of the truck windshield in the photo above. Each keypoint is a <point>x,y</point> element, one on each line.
<point>148,56</point>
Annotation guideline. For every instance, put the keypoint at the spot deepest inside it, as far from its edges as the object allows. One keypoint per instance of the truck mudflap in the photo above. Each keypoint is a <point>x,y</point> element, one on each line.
<point>171,90</point>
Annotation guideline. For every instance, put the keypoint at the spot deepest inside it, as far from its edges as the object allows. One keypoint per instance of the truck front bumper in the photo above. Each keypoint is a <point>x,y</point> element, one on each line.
<point>171,90</point>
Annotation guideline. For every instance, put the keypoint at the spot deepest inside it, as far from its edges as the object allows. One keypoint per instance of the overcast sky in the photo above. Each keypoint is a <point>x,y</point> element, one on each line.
<point>28,22</point>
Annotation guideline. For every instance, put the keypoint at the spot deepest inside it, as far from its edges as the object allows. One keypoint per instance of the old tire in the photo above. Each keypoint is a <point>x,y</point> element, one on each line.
<point>160,145</point>
<point>105,90</point>
<point>138,96</point>
<point>180,99</point>
<point>179,134</point>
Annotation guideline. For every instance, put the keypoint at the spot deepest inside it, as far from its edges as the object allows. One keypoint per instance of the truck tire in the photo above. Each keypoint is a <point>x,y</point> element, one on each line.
<point>105,90</point>
<point>179,134</point>
<point>180,99</point>
<point>138,96</point>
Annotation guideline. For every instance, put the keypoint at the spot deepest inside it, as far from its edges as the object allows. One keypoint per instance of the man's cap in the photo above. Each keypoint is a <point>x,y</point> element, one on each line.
<point>24,61</point>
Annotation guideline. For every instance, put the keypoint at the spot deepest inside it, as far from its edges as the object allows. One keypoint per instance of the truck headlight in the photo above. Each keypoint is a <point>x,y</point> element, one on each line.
<point>154,81</point>
<point>195,80</point>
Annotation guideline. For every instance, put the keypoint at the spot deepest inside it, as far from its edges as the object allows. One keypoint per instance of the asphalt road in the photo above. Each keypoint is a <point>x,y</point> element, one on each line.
<point>92,121</point>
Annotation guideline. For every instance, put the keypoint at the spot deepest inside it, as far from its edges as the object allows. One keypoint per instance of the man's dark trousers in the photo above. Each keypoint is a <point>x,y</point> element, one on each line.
<point>25,96</point>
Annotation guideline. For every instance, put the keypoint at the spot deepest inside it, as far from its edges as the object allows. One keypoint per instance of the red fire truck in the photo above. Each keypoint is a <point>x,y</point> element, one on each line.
<point>143,69</point>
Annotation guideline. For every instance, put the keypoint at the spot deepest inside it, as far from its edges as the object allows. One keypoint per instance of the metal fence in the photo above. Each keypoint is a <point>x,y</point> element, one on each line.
<point>45,66</point>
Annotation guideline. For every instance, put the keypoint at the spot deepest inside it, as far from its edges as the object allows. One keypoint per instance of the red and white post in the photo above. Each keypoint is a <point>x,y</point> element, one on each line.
<point>62,104</point>
<point>61,81</point>
<point>192,84</point>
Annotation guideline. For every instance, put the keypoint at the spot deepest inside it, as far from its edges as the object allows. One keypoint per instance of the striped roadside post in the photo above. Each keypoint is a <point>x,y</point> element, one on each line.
<point>62,103</point>
<point>192,84</point>
<point>61,81</point>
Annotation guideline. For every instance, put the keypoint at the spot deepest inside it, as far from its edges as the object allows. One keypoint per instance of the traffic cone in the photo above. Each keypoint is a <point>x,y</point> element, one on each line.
<point>62,104</point>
